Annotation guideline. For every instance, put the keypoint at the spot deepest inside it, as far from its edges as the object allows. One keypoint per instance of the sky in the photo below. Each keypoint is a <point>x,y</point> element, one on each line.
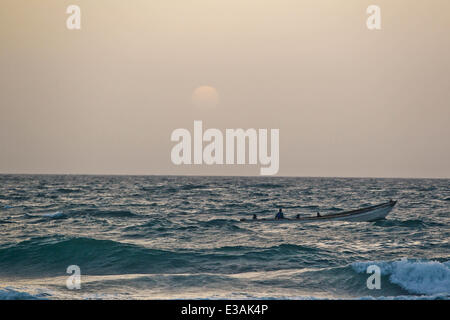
<point>348,101</point>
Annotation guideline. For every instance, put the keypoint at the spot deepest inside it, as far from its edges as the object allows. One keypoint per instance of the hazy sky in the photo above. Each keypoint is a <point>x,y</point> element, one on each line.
<point>105,99</point>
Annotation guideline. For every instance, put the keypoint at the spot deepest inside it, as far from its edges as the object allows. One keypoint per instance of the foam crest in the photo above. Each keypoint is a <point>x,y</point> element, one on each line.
<point>418,277</point>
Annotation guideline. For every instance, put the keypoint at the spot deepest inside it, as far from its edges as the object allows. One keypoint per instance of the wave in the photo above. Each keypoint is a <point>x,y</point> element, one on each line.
<point>55,215</point>
<point>417,277</point>
<point>222,224</point>
<point>85,212</point>
<point>107,213</point>
<point>68,190</point>
<point>268,185</point>
<point>414,223</point>
<point>108,263</point>
<point>9,293</point>
<point>284,248</point>
<point>192,186</point>
<point>52,255</point>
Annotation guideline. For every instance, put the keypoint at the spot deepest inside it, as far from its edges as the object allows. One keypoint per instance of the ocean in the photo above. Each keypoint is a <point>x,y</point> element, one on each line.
<point>179,237</point>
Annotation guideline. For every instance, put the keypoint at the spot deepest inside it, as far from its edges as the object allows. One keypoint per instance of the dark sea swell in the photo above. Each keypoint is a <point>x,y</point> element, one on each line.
<point>180,237</point>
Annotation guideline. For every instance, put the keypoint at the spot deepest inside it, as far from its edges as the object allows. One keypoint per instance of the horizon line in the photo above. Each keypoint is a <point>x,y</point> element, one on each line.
<point>217,175</point>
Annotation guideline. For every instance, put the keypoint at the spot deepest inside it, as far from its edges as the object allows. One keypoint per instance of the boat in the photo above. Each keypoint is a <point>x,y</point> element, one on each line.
<point>367,214</point>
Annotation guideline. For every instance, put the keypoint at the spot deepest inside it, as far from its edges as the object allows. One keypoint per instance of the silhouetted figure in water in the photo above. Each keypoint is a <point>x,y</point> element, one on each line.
<point>280,214</point>
<point>318,214</point>
<point>254,217</point>
<point>297,216</point>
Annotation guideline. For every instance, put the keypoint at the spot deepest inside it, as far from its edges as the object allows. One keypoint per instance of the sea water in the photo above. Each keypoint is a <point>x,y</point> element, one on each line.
<point>170,237</point>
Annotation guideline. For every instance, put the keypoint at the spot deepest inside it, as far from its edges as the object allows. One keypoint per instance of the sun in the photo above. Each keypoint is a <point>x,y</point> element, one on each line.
<point>205,97</point>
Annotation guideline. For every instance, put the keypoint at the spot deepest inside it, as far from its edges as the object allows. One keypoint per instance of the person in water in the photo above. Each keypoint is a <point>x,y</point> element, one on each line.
<point>318,214</point>
<point>297,216</point>
<point>280,214</point>
<point>254,217</point>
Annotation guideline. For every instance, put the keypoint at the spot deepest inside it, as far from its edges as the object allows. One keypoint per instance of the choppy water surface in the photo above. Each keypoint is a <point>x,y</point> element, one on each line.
<point>180,237</point>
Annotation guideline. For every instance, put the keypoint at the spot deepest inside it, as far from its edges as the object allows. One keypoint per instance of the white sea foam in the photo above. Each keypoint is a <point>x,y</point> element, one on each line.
<point>56,214</point>
<point>10,293</point>
<point>418,277</point>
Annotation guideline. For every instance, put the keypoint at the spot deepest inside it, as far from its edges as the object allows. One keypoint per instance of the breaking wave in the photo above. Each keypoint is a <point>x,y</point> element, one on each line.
<point>417,277</point>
